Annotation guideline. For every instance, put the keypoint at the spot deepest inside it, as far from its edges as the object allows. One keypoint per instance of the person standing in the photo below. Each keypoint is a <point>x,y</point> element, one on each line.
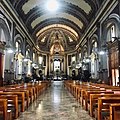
<point>73,75</point>
<point>87,76</point>
<point>79,76</point>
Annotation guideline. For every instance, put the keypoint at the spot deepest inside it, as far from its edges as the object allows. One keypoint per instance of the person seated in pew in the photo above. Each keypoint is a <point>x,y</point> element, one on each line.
<point>27,78</point>
<point>86,75</point>
<point>41,75</point>
<point>74,77</point>
<point>35,75</point>
<point>79,76</point>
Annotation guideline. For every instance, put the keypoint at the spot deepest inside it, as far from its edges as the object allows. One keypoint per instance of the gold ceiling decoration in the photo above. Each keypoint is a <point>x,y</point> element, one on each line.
<point>72,31</point>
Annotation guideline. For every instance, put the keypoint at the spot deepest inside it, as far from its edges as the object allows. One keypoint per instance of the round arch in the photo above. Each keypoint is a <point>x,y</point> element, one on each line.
<point>113,19</point>
<point>94,64</point>
<point>93,41</point>
<point>28,50</point>
<point>5,27</point>
<point>85,51</point>
<point>19,39</point>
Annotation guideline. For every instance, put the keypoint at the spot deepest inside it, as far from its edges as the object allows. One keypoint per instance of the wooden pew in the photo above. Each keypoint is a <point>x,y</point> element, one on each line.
<point>84,93</point>
<point>22,87</point>
<point>79,89</point>
<point>104,104</point>
<point>5,114</point>
<point>78,92</point>
<point>115,111</point>
<point>20,90</point>
<point>41,88</point>
<point>34,87</point>
<point>29,87</point>
<point>94,100</point>
<point>31,91</point>
<point>21,98</point>
<point>87,94</point>
<point>12,103</point>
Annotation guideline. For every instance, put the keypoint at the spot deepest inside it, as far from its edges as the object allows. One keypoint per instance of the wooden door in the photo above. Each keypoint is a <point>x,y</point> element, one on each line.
<point>114,63</point>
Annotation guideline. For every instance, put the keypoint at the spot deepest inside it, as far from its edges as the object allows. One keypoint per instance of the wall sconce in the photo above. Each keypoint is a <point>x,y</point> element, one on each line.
<point>102,52</point>
<point>35,65</point>
<point>10,50</point>
<point>26,59</point>
<point>86,60</point>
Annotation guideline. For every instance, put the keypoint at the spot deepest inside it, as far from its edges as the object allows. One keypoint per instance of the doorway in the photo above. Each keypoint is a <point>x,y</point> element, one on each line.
<point>57,66</point>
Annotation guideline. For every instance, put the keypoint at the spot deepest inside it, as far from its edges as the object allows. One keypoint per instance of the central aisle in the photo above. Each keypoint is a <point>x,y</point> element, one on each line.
<point>55,104</point>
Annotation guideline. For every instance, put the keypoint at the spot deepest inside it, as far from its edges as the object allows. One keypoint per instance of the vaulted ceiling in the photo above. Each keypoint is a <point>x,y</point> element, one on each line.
<point>68,23</point>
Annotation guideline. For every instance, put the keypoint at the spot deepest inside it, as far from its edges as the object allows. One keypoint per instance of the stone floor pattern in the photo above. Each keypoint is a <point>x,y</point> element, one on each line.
<point>55,104</point>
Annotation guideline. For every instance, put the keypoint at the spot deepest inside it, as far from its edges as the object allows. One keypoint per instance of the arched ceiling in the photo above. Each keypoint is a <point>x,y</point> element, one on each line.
<point>69,22</point>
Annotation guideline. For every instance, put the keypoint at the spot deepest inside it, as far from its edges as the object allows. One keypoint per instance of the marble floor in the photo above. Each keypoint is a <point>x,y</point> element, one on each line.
<point>55,104</point>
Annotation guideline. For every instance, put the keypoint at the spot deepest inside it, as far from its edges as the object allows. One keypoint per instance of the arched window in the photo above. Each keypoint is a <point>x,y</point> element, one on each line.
<point>34,56</point>
<point>80,56</point>
<point>17,45</point>
<point>94,47</point>
<point>28,54</point>
<point>95,44</point>
<point>111,33</point>
<point>40,59</point>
